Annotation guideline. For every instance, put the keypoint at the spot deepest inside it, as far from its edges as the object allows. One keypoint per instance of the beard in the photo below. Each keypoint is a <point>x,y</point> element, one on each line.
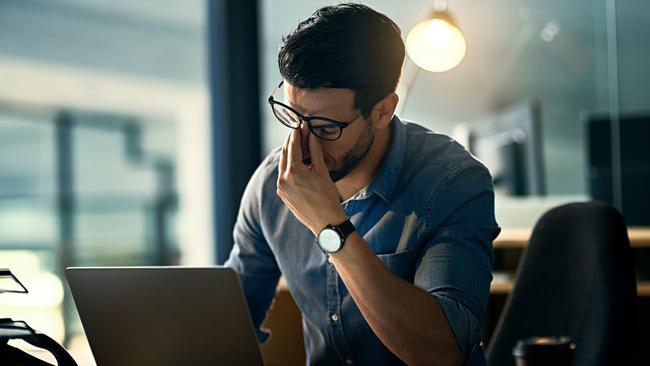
<point>343,166</point>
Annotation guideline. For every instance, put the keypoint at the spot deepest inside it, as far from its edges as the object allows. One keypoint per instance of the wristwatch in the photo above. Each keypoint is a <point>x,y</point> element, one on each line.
<point>332,237</point>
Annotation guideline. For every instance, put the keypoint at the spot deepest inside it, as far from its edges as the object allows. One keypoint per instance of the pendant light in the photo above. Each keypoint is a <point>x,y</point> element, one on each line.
<point>436,44</point>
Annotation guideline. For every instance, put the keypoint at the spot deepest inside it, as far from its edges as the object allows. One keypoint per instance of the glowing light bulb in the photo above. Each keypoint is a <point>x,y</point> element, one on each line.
<point>436,45</point>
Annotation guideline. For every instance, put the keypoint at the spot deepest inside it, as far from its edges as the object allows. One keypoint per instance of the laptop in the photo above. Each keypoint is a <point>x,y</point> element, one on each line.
<point>164,316</point>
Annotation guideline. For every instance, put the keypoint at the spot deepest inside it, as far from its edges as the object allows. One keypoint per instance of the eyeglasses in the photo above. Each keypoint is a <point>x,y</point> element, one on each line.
<point>322,127</point>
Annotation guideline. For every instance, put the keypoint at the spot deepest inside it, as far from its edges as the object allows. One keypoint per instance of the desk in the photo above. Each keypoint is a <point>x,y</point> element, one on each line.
<point>517,238</point>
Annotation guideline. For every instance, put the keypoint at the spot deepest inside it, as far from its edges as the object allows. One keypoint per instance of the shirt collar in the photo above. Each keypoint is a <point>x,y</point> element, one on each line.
<point>385,180</point>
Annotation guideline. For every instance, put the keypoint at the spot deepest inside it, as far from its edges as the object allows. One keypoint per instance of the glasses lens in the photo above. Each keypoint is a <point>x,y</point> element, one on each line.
<point>288,117</point>
<point>325,129</point>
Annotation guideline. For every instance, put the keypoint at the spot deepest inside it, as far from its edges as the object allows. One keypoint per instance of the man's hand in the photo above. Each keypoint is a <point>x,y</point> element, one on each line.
<point>308,190</point>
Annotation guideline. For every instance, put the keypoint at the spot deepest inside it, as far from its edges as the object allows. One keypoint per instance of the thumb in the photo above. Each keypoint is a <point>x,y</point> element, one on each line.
<point>316,152</point>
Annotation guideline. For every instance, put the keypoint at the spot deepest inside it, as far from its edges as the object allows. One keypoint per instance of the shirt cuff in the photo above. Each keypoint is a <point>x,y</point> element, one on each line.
<point>463,323</point>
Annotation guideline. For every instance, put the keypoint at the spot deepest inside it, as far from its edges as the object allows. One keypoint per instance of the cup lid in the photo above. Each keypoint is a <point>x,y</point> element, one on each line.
<point>535,345</point>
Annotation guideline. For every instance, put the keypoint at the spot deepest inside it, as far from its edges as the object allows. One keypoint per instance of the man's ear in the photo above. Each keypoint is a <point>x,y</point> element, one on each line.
<point>384,110</point>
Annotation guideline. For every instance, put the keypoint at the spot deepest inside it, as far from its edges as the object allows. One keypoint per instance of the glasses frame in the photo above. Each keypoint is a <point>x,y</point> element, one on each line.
<point>301,118</point>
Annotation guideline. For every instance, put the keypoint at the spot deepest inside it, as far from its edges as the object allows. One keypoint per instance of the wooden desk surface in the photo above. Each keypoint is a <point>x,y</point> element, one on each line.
<point>518,238</point>
<point>504,287</point>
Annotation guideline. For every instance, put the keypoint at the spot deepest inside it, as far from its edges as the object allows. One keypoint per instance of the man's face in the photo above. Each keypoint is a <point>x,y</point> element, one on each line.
<point>344,154</point>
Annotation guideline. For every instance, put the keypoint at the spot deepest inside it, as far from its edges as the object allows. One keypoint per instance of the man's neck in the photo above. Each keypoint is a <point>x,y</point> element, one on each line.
<point>364,173</point>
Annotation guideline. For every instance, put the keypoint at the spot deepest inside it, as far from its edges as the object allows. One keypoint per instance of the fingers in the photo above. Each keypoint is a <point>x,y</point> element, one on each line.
<point>294,150</point>
<point>282,166</point>
<point>316,152</point>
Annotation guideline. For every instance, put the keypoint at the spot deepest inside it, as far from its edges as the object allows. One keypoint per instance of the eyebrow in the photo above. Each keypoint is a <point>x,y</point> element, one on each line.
<point>318,113</point>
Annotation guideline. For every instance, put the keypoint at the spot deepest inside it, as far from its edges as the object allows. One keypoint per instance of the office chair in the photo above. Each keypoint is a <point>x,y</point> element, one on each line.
<point>576,278</point>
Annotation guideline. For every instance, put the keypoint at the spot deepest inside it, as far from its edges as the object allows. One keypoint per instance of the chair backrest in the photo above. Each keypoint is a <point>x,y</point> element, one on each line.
<point>576,278</point>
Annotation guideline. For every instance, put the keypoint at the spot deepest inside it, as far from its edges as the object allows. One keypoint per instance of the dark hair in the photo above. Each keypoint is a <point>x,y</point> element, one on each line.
<point>345,46</point>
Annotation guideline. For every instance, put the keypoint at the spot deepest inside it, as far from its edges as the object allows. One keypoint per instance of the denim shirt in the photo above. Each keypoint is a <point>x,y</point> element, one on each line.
<point>428,215</point>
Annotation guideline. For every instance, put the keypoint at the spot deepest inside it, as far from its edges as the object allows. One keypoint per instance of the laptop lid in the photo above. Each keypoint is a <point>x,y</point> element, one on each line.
<point>164,316</point>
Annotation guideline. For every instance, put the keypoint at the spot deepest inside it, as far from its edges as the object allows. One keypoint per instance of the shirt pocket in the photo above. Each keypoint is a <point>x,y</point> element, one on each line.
<point>401,264</point>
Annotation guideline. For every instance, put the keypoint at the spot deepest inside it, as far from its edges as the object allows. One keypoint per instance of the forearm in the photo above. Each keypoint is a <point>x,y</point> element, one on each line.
<point>405,318</point>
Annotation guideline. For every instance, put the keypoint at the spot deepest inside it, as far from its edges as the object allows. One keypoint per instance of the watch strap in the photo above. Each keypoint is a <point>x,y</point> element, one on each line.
<point>346,228</point>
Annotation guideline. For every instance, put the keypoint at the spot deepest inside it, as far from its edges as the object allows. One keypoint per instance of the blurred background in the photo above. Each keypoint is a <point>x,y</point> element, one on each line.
<point>128,129</point>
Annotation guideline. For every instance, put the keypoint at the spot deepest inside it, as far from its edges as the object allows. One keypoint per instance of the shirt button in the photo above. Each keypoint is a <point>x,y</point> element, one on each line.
<point>329,259</point>
<point>335,317</point>
<point>348,361</point>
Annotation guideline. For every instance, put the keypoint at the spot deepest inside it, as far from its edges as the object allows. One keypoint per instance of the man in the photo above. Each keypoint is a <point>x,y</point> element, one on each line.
<point>382,229</point>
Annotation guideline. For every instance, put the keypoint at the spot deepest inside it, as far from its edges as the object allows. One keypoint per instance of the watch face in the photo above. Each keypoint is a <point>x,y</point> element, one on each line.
<point>329,240</point>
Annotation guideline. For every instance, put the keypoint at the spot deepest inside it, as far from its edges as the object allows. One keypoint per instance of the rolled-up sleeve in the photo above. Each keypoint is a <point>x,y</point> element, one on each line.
<point>455,266</point>
<point>252,258</point>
